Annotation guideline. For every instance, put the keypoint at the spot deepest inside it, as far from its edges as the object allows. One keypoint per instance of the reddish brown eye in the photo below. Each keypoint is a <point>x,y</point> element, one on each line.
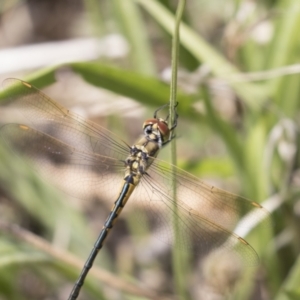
<point>163,128</point>
<point>149,122</point>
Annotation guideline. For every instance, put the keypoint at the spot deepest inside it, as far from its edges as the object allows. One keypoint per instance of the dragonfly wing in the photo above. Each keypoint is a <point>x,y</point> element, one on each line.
<point>206,215</point>
<point>46,115</point>
<point>80,174</point>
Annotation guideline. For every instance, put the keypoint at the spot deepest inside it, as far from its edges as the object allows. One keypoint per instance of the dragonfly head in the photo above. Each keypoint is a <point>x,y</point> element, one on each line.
<point>156,130</point>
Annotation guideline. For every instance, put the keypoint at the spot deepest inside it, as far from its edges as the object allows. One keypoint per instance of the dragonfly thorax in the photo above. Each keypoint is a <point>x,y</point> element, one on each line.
<point>141,157</point>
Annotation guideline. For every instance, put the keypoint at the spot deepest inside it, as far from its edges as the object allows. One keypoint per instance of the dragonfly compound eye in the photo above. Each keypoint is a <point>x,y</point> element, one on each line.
<point>163,128</point>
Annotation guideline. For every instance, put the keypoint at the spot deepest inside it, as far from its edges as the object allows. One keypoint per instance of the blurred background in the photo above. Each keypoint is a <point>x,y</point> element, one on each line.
<point>238,129</point>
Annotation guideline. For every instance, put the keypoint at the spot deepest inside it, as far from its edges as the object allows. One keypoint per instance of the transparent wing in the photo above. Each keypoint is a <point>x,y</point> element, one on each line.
<point>80,174</point>
<point>47,116</point>
<point>206,215</point>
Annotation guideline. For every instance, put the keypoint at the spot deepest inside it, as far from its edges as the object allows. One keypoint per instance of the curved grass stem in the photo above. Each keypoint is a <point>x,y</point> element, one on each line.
<point>178,260</point>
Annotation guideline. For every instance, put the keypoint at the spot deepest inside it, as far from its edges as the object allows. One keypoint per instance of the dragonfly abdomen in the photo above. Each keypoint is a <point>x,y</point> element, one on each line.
<point>127,188</point>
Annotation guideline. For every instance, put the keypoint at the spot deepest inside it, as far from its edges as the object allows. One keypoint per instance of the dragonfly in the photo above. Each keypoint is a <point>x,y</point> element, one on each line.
<point>206,216</point>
